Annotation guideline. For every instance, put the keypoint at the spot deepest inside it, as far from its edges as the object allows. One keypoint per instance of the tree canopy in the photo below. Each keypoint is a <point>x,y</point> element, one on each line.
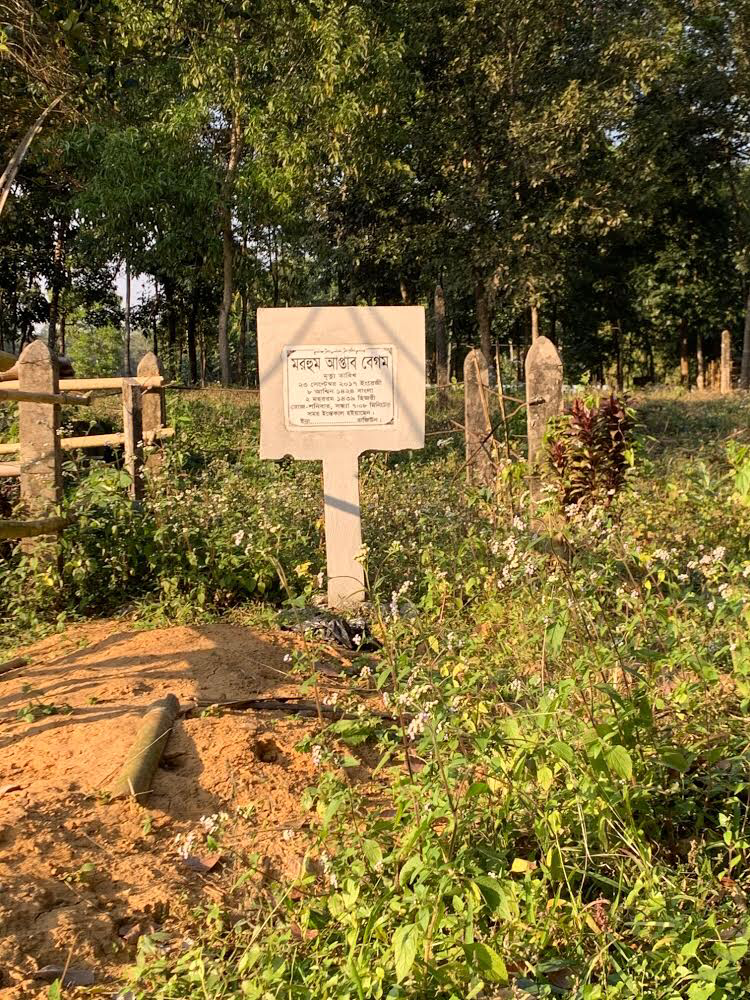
<point>572,167</point>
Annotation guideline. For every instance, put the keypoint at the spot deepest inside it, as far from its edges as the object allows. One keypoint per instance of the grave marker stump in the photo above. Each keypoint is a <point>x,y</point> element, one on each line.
<point>336,381</point>
<point>544,400</point>
<point>39,424</point>
<point>154,410</point>
<point>480,466</point>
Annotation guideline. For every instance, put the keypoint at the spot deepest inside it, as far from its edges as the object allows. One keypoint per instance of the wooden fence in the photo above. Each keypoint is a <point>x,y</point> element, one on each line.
<point>34,383</point>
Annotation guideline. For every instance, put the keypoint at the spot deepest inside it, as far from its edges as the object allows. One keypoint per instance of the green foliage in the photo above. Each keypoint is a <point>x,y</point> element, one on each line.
<point>95,351</point>
<point>572,811</point>
<point>39,710</point>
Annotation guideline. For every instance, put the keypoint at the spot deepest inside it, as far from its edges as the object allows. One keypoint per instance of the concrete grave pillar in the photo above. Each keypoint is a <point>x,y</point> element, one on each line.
<point>154,410</point>
<point>39,424</point>
<point>544,400</point>
<point>480,466</point>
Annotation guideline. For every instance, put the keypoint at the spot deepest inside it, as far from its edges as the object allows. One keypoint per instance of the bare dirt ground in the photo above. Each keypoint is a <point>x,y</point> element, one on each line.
<point>82,877</point>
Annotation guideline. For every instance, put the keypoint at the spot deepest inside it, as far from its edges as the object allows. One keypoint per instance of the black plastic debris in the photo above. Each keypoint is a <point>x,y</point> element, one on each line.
<point>349,633</point>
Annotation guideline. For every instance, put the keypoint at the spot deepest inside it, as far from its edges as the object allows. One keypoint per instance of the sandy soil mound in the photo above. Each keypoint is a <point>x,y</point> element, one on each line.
<point>80,876</point>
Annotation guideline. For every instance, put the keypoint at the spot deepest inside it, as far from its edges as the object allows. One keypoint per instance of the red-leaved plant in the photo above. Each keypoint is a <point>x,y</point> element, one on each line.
<point>589,453</point>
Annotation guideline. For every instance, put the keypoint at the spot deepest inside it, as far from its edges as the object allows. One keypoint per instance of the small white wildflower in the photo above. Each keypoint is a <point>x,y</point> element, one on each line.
<point>287,658</point>
<point>711,605</point>
<point>364,673</point>
<point>417,725</point>
<point>238,537</point>
<point>185,844</point>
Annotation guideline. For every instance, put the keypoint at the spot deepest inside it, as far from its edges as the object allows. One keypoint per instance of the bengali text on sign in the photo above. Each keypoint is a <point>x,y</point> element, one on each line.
<point>339,386</point>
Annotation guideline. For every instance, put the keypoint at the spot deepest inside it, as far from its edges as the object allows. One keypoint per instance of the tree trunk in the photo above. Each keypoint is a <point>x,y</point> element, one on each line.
<point>171,327</point>
<point>243,337</point>
<point>63,316</point>
<point>619,373</point>
<point>58,274</point>
<point>483,315</point>
<point>156,317</point>
<point>534,322</point>
<point>54,309</point>
<point>191,325</point>
<point>726,361</point>
<point>684,357</point>
<point>520,352</point>
<point>700,378</point>
<point>553,323</point>
<point>235,140</point>
<point>441,339</point>
<point>745,370</point>
<point>128,363</point>
<point>9,174</point>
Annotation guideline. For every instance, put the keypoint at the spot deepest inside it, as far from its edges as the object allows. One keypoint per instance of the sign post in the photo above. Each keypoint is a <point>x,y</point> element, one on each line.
<point>336,381</point>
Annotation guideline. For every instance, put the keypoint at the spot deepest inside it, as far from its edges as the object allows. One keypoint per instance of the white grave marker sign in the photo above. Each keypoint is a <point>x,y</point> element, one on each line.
<point>336,381</point>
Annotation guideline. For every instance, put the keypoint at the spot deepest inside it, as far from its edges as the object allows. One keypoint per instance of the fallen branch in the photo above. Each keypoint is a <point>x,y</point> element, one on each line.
<point>19,661</point>
<point>294,706</point>
<point>32,529</point>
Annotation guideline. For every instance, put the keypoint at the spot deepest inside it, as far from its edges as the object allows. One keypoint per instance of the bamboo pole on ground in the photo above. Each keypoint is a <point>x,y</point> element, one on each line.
<point>10,470</point>
<point>144,755</point>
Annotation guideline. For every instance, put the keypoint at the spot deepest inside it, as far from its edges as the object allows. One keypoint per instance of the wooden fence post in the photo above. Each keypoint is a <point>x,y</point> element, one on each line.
<point>39,423</point>
<point>132,420</point>
<point>480,468</point>
<point>544,400</point>
<point>726,362</point>
<point>154,409</point>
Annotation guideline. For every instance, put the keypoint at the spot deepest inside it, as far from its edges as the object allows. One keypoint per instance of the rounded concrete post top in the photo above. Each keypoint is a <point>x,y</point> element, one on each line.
<point>34,352</point>
<point>543,352</point>
<point>475,356</point>
<point>149,364</point>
